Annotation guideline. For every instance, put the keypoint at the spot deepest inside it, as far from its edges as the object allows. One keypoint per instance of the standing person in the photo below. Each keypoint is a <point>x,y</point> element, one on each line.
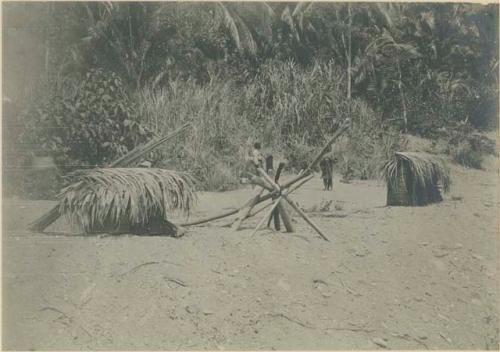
<point>254,161</point>
<point>326,166</point>
<point>257,157</point>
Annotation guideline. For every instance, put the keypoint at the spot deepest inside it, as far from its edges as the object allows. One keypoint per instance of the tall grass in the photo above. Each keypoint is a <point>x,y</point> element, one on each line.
<point>368,144</point>
<point>214,149</point>
<point>297,103</point>
<point>291,110</point>
<point>466,155</point>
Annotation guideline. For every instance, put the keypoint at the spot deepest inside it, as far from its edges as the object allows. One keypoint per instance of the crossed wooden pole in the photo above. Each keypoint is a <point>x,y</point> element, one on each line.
<point>279,195</point>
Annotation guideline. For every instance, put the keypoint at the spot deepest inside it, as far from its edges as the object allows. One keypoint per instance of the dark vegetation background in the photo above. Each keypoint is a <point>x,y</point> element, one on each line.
<point>86,82</point>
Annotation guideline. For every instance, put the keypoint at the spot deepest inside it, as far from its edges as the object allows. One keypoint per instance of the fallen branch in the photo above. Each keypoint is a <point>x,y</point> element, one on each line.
<point>57,311</point>
<point>137,267</point>
<point>281,315</point>
<point>176,281</point>
<point>410,338</point>
<point>350,329</point>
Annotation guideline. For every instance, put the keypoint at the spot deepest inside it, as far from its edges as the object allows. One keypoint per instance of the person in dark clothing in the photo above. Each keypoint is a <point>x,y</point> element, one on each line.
<point>326,166</point>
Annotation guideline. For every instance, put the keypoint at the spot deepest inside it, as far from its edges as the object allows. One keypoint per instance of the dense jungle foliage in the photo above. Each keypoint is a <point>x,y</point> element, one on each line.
<point>86,82</point>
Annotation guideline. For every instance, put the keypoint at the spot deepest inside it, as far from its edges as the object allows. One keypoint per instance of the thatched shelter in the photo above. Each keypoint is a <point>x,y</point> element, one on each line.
<point>415,179</point>
<point>126,200</point>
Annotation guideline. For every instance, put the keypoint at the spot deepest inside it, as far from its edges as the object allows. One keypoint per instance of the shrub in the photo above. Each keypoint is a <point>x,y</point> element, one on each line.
<point>296,102</point>
<point>89,128</point>
<point>214,149</point>
<point>367,145</point>
<point>464,154</point>
<point>39,183</point>
<point>299,154</point>
<point>291,110</point>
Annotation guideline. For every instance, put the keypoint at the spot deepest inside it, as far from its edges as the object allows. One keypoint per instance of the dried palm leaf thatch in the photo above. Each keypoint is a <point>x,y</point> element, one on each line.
<point>133,200</point>
<point>415,178</point>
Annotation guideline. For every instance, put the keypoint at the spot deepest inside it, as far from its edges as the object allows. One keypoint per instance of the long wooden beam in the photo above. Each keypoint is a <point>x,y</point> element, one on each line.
<point>243,213</point>
<point>306,218</point>
<point>318,157</point>
<point>268,214</point>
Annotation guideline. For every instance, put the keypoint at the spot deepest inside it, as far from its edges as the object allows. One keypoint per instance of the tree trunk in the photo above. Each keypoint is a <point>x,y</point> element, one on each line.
<point>403,99</point>
<point>349,54</point>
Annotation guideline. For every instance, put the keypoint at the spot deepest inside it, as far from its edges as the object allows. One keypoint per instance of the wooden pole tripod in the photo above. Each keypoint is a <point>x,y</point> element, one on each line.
<point>279,194</point>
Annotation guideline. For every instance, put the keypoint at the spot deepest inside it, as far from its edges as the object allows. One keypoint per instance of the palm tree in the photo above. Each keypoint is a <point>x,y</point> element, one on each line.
<point>382,60</point>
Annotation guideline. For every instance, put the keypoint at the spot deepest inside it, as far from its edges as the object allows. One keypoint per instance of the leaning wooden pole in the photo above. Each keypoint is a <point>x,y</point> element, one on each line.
<point>318,157</point>
<point>287,219</point>
<point>269,213</point>
<point>243,213</point>
<point>306,218</point>
<point>48,218</point>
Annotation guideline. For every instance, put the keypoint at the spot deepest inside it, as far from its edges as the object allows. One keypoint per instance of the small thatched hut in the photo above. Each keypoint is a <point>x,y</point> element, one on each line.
<point>415,179</point>
<point>126,200</point>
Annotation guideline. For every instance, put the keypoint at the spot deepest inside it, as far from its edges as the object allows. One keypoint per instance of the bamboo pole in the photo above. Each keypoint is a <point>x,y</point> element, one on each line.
<point>306,218</point>
<point>211,218</point>
<point>246,210</point>
<point>279,205</point>
<point>299,184</point>
<point>318,157</point>
<point>256,180</point>
<point>139,151</point>
<point>268,214</point>
<point>287,220</point>
<point>259,210</point>
<point>268,178</point>
<point>275,216</point>
<point>283,213</point>
<point>229,224</point>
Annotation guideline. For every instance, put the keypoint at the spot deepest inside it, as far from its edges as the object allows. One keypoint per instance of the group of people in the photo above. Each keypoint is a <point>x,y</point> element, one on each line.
<point>326,165</point>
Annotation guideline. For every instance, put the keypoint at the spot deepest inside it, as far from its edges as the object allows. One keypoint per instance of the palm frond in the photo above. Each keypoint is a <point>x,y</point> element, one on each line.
<point>118,196</point>
<point>426,168</point>
<point>230,24</point>
<point>238,29</point>
<point>413,178</point>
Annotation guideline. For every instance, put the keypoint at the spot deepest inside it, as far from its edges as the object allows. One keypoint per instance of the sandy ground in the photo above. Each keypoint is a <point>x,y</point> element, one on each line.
<point>391,277</point>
